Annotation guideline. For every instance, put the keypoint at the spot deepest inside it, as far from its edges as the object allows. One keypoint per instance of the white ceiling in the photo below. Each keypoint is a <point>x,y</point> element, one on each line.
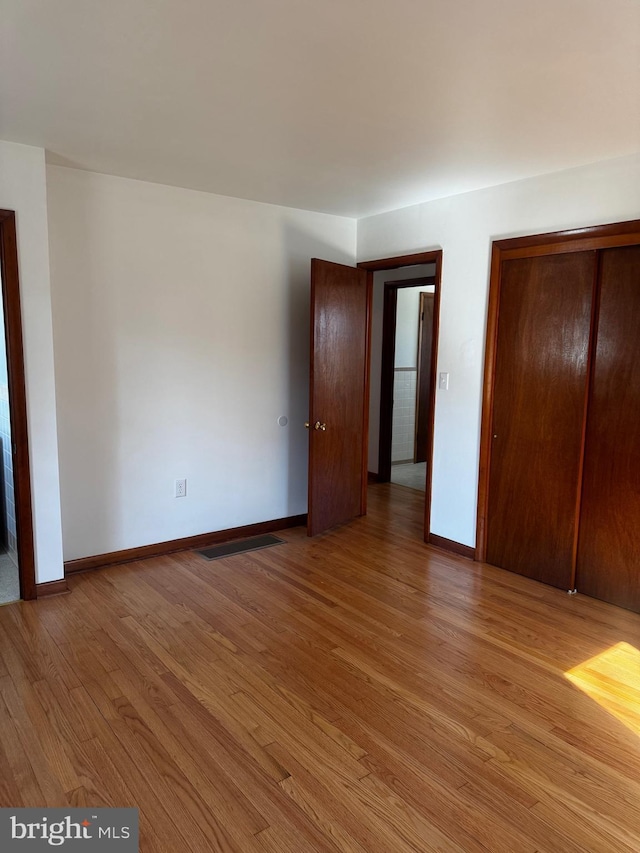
<point>345,106</point>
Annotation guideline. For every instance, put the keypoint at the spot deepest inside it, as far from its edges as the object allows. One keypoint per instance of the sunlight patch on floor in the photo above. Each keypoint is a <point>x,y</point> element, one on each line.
<point>612,679</point>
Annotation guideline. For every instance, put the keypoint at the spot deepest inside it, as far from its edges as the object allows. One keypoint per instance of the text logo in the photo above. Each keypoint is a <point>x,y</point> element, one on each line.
<point>103,830</point>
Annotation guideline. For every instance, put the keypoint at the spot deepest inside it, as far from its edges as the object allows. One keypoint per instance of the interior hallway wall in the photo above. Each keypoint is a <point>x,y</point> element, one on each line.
<point>181,328</point>
<point>23,189</point>
<point>464,226</point>
<point>407,324</point>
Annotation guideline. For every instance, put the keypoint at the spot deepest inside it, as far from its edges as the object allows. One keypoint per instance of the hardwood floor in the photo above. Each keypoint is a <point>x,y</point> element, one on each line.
<point>359,692</point>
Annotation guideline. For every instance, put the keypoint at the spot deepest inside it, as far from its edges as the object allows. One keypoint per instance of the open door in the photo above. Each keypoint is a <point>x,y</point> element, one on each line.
<point>338,394</point>
<point>423,394</point>
<point>15,386</point>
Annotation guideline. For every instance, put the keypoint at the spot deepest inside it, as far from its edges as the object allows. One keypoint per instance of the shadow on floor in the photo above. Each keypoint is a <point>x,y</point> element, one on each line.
<point>412,474</point>
<point>9,581</point>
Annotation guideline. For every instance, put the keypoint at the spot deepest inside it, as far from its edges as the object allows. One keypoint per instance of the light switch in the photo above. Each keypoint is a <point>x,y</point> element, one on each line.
<point>443,382</point>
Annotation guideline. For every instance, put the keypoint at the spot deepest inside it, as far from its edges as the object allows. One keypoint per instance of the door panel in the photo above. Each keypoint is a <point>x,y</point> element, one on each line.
<point>423,400</point>
<point>340,302</point>
<point>609,542</point>
<point>538,415</point>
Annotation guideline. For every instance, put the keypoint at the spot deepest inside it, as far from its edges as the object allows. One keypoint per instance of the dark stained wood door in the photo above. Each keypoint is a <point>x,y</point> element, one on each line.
<point>338,403</point>
<point>609,543</point>
<point>538,414</point>
<point>10,295</point>
<point>423,391</point>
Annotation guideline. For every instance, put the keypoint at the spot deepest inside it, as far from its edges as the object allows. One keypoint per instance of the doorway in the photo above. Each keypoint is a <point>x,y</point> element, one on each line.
<point>343,387</point>
<point>17,562</point>
<point>413,420</point>
<point>405,379</point>
<point>391,280</point>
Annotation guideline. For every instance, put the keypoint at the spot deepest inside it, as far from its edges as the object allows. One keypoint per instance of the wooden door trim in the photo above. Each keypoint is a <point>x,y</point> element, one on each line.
<point>367,394</point>
<point>389,316</point>
<point>573,240</point>
<point>17,403</point>
<point>431,257</point>
<point>402,261</point>
<point>556,242</point>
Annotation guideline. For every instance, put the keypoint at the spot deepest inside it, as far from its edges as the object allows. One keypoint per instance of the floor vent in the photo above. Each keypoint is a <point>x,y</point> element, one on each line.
<point>229,549</point>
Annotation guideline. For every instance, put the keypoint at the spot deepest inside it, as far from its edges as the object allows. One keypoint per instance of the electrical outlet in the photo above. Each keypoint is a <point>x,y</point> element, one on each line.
<point>181,488</point>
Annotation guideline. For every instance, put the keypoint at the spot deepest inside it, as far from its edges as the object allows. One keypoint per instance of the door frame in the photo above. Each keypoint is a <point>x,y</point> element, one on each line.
<point>389,318</point>
<point>17,403</point>
<point>432,257</point>
<point>552,243</point>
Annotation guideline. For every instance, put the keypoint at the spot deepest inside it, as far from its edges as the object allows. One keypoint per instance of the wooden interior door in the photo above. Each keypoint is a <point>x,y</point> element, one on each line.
<point>339,398</point>
<point>540,388</point>
<point>10,294</point>
<point>423,393</point>
<point>608,565</point>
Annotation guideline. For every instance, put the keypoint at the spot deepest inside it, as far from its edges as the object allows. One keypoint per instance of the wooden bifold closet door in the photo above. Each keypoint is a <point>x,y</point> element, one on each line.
<point>538,414</point>
<point>562,438</point>
<point>608,565</point>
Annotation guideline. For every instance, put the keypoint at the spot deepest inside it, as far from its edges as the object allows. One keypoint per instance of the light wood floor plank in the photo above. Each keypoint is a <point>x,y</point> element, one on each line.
<point>355,692</point>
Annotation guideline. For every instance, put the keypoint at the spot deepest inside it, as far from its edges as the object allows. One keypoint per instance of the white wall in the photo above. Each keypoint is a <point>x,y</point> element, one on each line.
<point>181,334</point>
<point>464,226</point>
<point>23,189</point>
<point>379,279</point>
<point>407,322</point>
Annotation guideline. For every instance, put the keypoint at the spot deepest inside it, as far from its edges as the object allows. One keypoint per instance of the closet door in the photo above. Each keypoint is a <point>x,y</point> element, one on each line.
<point>540,388</point>
<point>609,543</point>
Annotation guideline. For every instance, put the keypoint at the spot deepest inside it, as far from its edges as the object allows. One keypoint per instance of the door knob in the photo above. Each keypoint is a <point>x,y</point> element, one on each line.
<point>306,424</point>
<point>320,426</point>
